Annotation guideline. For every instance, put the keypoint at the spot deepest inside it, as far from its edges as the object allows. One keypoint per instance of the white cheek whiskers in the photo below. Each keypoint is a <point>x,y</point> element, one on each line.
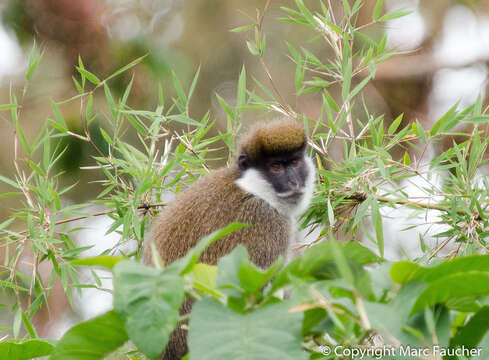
<point>253,182</point>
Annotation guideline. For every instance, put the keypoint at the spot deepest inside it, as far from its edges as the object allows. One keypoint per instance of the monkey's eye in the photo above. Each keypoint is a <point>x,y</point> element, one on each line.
<point>294,163</point>
<point>276,167</point>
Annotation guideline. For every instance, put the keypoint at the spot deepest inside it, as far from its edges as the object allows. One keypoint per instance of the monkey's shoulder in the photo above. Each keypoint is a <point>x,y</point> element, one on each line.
<point>216,198</point>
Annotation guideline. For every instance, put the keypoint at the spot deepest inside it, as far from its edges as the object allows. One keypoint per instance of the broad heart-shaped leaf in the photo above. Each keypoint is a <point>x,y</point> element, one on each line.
<point>472,333</point>
<point>25,349</point>
<point>204,278</point>
<point>405,271</point>
<point>227,271</point>
<point>218,333</point>
<point>237,274</point>
<point>92,339</point>
<point>318,262</point>
<point>389,319</point>
<point>185,264</point>
<point>453,286</point>
<point>149,300</point>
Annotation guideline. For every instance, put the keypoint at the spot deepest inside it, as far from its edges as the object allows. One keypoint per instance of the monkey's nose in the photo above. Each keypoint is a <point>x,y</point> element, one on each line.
<point>293,184</point>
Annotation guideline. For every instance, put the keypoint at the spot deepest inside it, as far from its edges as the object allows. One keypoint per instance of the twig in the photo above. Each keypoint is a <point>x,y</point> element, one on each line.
<point>100,213</point>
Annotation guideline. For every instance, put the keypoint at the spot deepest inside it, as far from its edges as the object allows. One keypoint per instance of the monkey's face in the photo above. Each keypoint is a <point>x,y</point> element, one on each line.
<point>286,173</point>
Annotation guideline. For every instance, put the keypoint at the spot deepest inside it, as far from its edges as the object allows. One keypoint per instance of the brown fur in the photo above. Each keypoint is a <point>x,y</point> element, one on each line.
<point>275,137</point>
<point>213,202</point>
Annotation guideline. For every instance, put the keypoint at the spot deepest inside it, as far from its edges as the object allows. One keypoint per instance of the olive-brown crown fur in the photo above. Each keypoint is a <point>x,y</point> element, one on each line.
<point>274,137</point>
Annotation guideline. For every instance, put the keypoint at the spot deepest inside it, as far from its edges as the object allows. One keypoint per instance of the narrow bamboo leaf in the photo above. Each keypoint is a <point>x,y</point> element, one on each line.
<point>253,49</point>
<point>395,124</point>
<point>377,9</point>
<point>33,66</point>
<point>377,222</point>
<point>243,28</point>
<point>241,94</point>
<point>331,218</point>
<point>226,107</point>
<point>126,67</point>
<point>441,124</point>
<point>184,120</point>
<point>407,159</point>
<point>394,15</point>
<point>28,326</point>
<point>481,119</point>
<point>10,182</point>
<point>194,82</point>
<point>88,75</point>
<point>105,261</point>
<point>59,117</point>
<point>345,85</point>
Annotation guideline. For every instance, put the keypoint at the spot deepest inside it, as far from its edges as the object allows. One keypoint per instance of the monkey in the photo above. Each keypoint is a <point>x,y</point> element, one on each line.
<point>269,185</point>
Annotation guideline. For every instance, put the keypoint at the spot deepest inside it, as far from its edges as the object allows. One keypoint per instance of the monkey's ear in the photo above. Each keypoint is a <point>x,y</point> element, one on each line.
<point>243,162</point>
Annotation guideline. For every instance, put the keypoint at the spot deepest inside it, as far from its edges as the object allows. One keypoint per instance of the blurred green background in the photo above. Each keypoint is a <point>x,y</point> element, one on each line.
<point>446,44</point>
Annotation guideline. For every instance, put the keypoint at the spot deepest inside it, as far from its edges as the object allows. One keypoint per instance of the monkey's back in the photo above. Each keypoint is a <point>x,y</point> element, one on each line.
<point>211,203</point>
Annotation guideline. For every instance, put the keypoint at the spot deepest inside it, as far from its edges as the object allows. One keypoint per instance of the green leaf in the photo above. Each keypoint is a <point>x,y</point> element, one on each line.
<point>92,339</point>
<point>226,107</point>
<point>253,49</point>
<point>453,287</point>
<point>390,319</point>
<point>420,132</point>
<point>184,120</point>
<point>88,75</point>
<point>243,28</point>
<point>345,85</point>
<point>124,68</point>
<point>481,119</point>
<point>395,124</point>
<point>28,326</point>
<point>105,261</point>
<point>4,107</point>
<point>194,83</point>
<point>444,121</point>
<point>227,271</point>
<point>318,258</point>
<point>377,222</point>
<point>377,10</point>
<point>405,271</point>
<point>59,117</point>
<point>25,349</point>
<point>204,278</point>
<point>237,273</point>
<point>395,15</point>
<point>149,300</point>
<point>218,333</point>
<point>406,159</point>
<point>33,62</point>
<point>472,333</point>
<point>241,95</point>
<point>10,182</point>
<point>185,264</point>
<point>341,261</point>
<point>331,218</point>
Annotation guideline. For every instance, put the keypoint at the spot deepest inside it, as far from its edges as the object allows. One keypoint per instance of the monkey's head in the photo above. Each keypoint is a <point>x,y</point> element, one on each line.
<point>274,166</point>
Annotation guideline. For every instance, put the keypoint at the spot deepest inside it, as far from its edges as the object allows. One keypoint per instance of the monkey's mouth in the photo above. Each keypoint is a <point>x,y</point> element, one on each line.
<point>291,195</point>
